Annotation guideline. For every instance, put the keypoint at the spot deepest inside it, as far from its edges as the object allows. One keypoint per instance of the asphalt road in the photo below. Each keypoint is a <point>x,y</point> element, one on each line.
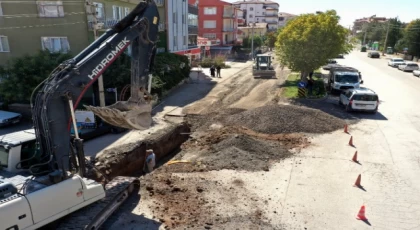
<point>389,161</point>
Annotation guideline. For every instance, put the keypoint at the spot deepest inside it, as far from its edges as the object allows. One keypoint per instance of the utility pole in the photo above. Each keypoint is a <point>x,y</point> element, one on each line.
<point>92,11</point>
<point>364,37</point>
<point>386,37</point>
<point>252,41</point>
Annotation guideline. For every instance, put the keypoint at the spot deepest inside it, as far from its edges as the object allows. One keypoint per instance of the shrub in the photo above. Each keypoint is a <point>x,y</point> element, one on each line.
<point>217,61</point>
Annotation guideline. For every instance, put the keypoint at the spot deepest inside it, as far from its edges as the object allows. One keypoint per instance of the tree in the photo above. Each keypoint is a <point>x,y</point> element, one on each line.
<point>308,41</point>
<point>395,33</point>
<point>412,37</point>
<point>271,39</point>
<point>248,41</point>
<point>21,75</point>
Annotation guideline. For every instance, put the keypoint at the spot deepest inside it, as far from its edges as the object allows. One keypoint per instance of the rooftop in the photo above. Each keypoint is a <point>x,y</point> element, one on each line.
<point>17,138</point>
<point>255,2</point>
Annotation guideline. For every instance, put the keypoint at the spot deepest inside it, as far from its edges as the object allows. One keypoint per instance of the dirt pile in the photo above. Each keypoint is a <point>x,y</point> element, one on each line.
<point>274,119</point>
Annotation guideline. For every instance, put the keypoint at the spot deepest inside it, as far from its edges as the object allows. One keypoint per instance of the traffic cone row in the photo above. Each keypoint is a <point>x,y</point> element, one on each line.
<point>361,215</point>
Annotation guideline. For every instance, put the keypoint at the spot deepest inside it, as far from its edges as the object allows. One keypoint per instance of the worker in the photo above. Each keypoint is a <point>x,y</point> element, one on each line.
<point>212,69</point>
<point>218,71</point>
<point>149,162</point>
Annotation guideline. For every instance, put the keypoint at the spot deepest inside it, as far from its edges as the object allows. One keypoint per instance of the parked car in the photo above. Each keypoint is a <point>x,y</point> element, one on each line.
<point>416,73</point>
<point>330,63</point>
<point>395,62</point>
<point>340,56</point>
<point>361,99</point>
<point>9,118</point>
<point>374,54</point>
<point>344,77</point>
<point>410,66</point>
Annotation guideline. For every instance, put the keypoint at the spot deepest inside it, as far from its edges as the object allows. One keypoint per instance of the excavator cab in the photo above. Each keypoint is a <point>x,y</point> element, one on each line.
<point>263,66</point>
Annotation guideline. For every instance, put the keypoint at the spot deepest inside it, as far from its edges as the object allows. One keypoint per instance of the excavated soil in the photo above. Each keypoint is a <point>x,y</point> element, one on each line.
<point>274,119</point>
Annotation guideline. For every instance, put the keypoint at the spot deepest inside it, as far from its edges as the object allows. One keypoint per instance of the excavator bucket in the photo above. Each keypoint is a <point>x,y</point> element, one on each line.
<point>125,114</point>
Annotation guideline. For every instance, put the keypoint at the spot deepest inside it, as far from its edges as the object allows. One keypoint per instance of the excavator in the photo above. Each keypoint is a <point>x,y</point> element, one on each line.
<point>47,185</point>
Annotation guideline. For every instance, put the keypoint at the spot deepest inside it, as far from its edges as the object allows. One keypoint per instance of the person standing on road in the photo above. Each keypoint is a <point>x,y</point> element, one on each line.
<point>310,85</point>
<point>218,71</point>
<point>150,161</point>
<point>212,69</point>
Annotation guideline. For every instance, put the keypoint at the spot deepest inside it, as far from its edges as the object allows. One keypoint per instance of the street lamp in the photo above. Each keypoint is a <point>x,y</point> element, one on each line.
<point>252,40</point>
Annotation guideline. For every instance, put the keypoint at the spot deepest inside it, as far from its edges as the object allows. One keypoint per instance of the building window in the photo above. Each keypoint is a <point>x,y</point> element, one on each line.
<point>192,40</point>
<point>183,18</point>
<point>117,12</point>
<point>192,20</point>
<point>1,10</point>
<point>55,44</point>
<point>209,24</point>
<point>47,9</point>
<point>210,10</point>
<point>185,40</point>
<point>210,36</point>
<point>99,7</point>
<point>175,41</point>
<point>4,44</point>
<point>263,13</point>
<point>251,8</point>
<point>250,16</point>
<point>174,17</point>
<point>126,11</point>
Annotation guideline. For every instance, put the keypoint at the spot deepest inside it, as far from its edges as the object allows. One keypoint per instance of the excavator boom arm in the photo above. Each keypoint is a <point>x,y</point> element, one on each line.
<point>68,83</point>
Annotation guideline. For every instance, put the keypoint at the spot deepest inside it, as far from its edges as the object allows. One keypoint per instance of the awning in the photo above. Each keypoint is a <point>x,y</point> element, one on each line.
<point>189,51</point>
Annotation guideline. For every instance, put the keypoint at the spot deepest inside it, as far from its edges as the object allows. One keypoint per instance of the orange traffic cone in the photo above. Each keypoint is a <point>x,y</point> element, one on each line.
<point>346,128</point>
<point>361,214</point>
<point>351,141</point>
<point>357,183</point>
<point>355,157</point>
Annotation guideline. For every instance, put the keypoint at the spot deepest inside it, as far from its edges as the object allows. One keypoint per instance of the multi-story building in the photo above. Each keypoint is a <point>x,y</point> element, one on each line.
<point>259,11</point>
<point>62,26</point>
<point>358,24</point>
<point>104,14</point>
<point>284,18</point>
<point>259,29</point>
<point>29,26</point>
<point>218,23</point>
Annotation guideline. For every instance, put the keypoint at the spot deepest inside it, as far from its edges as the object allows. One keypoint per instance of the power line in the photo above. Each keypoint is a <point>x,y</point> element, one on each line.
<point>41,26</point>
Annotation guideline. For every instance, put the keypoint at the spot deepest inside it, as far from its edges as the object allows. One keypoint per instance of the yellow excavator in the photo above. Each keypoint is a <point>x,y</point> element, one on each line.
<point>47,184</point>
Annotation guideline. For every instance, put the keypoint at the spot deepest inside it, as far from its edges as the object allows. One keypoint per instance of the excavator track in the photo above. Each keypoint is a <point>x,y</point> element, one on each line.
<point>94,215</point>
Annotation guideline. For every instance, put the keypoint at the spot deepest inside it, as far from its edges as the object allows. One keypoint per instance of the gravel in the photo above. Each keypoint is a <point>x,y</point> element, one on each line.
<point>275,119</point>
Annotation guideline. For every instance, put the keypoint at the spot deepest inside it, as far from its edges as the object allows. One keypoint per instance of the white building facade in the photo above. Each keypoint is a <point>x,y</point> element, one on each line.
<point>284,18</point>
<point>259,11</point>
<point>177,25</point>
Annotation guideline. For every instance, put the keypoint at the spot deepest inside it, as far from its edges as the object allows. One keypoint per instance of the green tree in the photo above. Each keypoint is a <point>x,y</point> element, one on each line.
<point>412,37</point>
<point>308,41</point>
<point>248,41</point>
<point>21,75</point>
<point>395,33</point>
<point>270,40</point>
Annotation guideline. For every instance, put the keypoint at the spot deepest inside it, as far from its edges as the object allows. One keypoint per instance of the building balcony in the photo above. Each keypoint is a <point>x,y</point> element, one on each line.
<point>271,15</point>
<point>271,22</point>
<point>160,2</point>
<point>192,46</point>
<point>102,24</point>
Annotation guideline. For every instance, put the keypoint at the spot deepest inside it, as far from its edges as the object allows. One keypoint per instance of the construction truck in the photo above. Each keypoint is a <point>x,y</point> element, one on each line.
<point>44,180</point>
<point>263,66</point>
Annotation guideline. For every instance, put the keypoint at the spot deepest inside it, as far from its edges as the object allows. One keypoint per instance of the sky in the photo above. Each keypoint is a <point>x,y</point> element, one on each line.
<point>349,10</point>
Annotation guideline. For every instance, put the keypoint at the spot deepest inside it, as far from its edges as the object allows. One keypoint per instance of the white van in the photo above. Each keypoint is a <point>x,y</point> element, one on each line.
<point>361,99</point>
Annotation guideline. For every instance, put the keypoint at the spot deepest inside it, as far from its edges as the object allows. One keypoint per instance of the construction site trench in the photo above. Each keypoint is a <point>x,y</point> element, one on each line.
<point>243,129</point>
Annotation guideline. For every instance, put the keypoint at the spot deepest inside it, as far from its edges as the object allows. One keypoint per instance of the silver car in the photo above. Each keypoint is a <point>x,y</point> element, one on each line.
<point>395,62</point>
<point>9,118</point>
<point>411,66</point>
<point>416,73</point>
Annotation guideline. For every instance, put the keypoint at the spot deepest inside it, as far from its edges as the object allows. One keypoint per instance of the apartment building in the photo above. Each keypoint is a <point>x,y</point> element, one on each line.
<point>259,11</point>
<point>284,18</point>
<point>104,14</point>
<point>259,29</point>
<point>358,24</point>
<point>218,22</point>
<point>29,26</point>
